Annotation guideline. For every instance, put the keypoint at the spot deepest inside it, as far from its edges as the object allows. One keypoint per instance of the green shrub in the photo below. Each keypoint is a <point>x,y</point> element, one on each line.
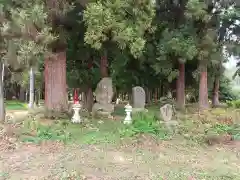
<point>237,103</point>
<point>233,130</point>
<point>234,104</point>
<point>144,123</point>
<point>222,128</point>
<point>36,132</point>
<point>229,103</point>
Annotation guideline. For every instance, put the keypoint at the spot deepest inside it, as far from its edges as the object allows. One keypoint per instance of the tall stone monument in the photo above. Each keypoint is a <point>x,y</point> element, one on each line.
<point>139,98</point>
<point>104,94</point>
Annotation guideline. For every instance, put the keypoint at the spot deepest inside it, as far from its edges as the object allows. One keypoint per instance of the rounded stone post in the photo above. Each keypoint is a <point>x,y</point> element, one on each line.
<point>76,117</point>
<point>76,108</point>
<point>128,118</point>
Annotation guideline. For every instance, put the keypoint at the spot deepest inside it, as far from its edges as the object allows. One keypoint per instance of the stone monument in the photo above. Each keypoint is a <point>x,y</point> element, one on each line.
<point>167,114</point>
<point>139,98</point>
<point>104,94</point>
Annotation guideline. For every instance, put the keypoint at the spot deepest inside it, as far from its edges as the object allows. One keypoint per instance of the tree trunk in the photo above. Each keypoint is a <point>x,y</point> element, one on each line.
<point>3,71</point>
<point>89,99</point>
<point>22,94</point>
<point>2,105</point>
<point>55,82</point>
<point>104,65</point>
<point>26,96</point>
<point>148,96</point>
<point>31,88</point>
<point>37,92</point>
<point>215,97</point>
<point>203,89</point>
<point>181,87</point>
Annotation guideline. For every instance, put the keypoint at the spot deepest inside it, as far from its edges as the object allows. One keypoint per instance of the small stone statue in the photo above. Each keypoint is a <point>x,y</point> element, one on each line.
<point>128,118</point>
<point>76,108</point>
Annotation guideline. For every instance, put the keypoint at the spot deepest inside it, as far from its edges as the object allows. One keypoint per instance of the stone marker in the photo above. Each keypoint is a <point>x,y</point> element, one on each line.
<point>104,94</point>
<point>139,97</point>
<point>167,114</point>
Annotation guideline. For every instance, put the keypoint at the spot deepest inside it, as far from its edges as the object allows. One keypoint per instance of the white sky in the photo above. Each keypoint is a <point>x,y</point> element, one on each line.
<point>231,63</point>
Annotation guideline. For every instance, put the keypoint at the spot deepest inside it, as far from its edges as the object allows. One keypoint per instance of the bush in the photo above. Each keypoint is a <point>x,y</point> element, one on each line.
<point>226,92</point>
<point>35,132</point>
<point>145,123</point>
<point>234,104</point>
<point>231,129</point>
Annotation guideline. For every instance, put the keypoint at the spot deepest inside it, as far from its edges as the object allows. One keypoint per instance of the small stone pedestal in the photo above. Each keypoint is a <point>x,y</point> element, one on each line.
<point>128,118</point>
<point>76,117</point>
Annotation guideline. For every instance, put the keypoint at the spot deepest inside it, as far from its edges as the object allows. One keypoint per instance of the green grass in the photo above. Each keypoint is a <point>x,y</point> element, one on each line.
<point>91,132</point>
<point>94,131</point>
<point>15,105</point>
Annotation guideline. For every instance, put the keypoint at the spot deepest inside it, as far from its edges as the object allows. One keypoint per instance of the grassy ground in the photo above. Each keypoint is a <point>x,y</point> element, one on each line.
<point>15,105</point>
<point>106,149</point>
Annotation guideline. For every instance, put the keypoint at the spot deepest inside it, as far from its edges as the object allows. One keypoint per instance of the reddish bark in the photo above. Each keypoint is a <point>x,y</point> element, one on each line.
<point>181,86</point>
<point>203,90</point>
<point>215,97</point>
<point>2,104</point>
<point>55,82</point>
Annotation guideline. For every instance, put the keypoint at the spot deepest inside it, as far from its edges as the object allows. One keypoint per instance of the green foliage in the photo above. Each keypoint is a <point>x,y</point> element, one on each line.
<point>140,37</point>
<point>28,32</point>
<point>145,123</point>
<point>179,42</point>
<point>232,130</point>
<point>222,128</point>
<point>35,132</point>
<point>226,92</point>
<point>234,104</point>
<point>124,22</point>
<point>90,132</point>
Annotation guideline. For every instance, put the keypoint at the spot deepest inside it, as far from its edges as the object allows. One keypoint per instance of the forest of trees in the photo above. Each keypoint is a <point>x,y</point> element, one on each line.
<point>177,45</point>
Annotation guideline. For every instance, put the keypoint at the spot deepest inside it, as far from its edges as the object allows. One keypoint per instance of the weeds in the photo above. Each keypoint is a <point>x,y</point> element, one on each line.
<point>219,129</point>
<point>107,131</point>
<point>234,104</point>
<point>145,123</point>
<point>33,131</point>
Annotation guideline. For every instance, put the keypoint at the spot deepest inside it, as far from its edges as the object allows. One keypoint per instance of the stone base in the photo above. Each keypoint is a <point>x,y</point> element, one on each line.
<point>136,110</point>
<point>102,109</point>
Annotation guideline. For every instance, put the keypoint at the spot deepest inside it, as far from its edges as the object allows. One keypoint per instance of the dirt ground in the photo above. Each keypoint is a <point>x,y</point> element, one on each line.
<point>142,161</point>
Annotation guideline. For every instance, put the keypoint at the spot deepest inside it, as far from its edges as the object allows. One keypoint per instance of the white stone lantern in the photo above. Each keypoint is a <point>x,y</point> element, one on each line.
<point>76,117</point>
<point>128,118</point>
